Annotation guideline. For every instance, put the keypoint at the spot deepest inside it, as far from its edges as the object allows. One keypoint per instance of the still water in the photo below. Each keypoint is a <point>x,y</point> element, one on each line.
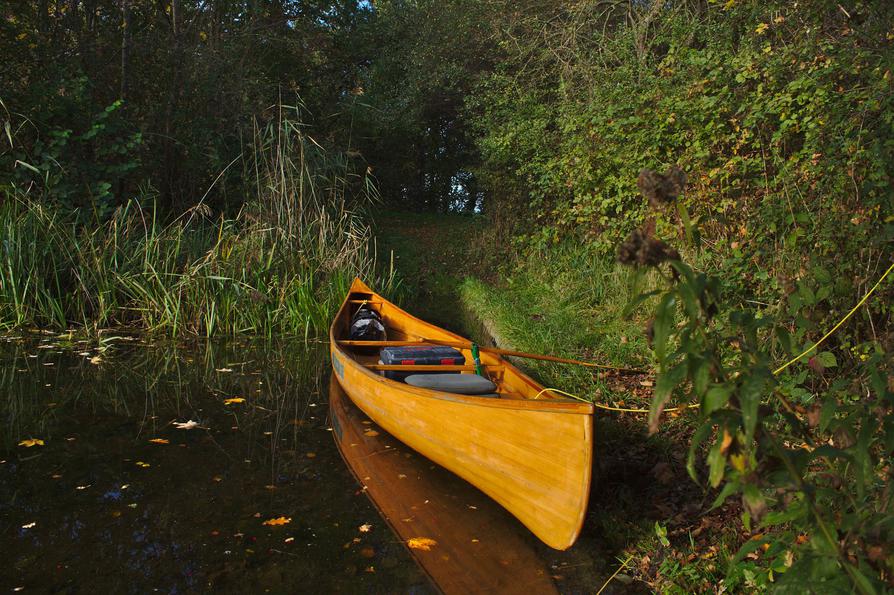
<point>180,468</point>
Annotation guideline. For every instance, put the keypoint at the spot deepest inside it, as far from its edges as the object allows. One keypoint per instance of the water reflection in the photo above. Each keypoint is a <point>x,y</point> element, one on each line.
<point>119,499</point>
<point>463,539</point>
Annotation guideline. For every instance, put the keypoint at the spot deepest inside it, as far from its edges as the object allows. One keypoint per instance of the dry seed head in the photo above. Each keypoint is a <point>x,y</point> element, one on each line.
<point>660,189</point>
<point>641,249</point>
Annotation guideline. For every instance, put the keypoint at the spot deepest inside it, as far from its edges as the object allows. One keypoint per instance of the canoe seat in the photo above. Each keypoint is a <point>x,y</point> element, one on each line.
<point>461,384</point>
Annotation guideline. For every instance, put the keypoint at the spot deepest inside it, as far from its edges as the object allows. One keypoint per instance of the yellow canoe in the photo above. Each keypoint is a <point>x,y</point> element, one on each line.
<point>528,450</point>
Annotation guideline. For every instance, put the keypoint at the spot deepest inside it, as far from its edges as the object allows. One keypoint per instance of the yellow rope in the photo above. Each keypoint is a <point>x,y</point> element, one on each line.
<point>611,578</point>
<point>606,407</point>
<point>775,372</point>
<point>836,327</point>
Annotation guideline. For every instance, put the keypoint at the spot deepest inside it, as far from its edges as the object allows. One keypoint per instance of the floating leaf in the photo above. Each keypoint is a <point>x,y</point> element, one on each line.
<point>421,543</point>
<point>233,401</point>
<point>160,441</point>
<point>278,521</point>
<point>31,442</point>
<point>186,425</point>
<point>365,527</point>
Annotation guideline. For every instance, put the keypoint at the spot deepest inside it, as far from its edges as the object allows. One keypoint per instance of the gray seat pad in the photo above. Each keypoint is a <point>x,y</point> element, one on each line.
<point>461,384</point>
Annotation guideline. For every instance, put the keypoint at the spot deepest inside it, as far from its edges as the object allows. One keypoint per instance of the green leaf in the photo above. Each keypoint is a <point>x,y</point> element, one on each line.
<point>664,319</point>
<point>697,438</point>
<point>664,387</point>
<point>715,398</point>
<point>864,583</point>
<point>750,395</point>
<point>661,533</point>
<point>827,359</point>
<point>729,488</point>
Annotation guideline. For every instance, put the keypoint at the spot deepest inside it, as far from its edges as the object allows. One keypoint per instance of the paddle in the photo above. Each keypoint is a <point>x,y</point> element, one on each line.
<point>494,350</point>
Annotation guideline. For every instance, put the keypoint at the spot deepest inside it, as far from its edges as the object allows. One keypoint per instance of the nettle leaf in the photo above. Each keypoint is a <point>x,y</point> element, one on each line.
<point>827,359</point>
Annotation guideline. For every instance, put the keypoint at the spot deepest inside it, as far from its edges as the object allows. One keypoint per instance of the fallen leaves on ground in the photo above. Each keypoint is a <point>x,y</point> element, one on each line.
<point>234,401</point>
<point>278,521</point>
<point>421,543</point>
<point>364,528</point>
<point>31,442</point>
<point>186,425</point>
<point>159,441</point>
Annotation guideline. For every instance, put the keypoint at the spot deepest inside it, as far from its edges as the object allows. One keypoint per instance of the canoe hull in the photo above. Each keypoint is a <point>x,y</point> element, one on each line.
<point>532,457</point>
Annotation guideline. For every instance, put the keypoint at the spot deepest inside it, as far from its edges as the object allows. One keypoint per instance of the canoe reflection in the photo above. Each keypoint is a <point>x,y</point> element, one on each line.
<point>479,547</point>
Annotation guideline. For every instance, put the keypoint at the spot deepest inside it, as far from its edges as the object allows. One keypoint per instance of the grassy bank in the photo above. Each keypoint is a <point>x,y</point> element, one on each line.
<point>281,265</point>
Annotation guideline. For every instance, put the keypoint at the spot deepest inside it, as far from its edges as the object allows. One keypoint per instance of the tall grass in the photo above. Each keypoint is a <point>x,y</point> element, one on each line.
<point>280,266</point>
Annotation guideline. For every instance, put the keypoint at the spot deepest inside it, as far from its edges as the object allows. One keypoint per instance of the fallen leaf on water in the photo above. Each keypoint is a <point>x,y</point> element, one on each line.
<point>142,464</point>
<point>370,433</point>
<point>365,527</point>
<point>186,425</point>
<point>421,543</point>
<point>159,441</point>
<point>29,525</point>
<point>278,521</point>
<point>233,401</point>
<point>31,442</point>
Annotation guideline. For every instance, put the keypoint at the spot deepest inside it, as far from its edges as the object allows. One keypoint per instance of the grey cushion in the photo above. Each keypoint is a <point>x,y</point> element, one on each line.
<point>462,384</point>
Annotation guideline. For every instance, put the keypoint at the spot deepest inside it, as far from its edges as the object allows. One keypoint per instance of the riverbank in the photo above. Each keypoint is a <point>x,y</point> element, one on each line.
<point>643,506</point>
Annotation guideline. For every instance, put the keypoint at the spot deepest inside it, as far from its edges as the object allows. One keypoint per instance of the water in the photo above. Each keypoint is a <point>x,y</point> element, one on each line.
<point>118,499</point>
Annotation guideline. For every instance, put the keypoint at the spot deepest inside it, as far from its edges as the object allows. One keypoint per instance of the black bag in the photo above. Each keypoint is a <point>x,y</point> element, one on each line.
<point>367,325</point>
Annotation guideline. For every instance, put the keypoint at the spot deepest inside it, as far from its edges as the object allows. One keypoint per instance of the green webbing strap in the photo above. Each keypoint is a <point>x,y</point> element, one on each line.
<point>477,357</point>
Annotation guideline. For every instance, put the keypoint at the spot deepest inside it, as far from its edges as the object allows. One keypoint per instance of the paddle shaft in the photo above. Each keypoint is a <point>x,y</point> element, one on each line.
<point>495,350</point>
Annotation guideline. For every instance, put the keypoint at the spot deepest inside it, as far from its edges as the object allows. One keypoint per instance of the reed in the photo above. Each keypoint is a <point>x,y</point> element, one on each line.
<point>279,266</point>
